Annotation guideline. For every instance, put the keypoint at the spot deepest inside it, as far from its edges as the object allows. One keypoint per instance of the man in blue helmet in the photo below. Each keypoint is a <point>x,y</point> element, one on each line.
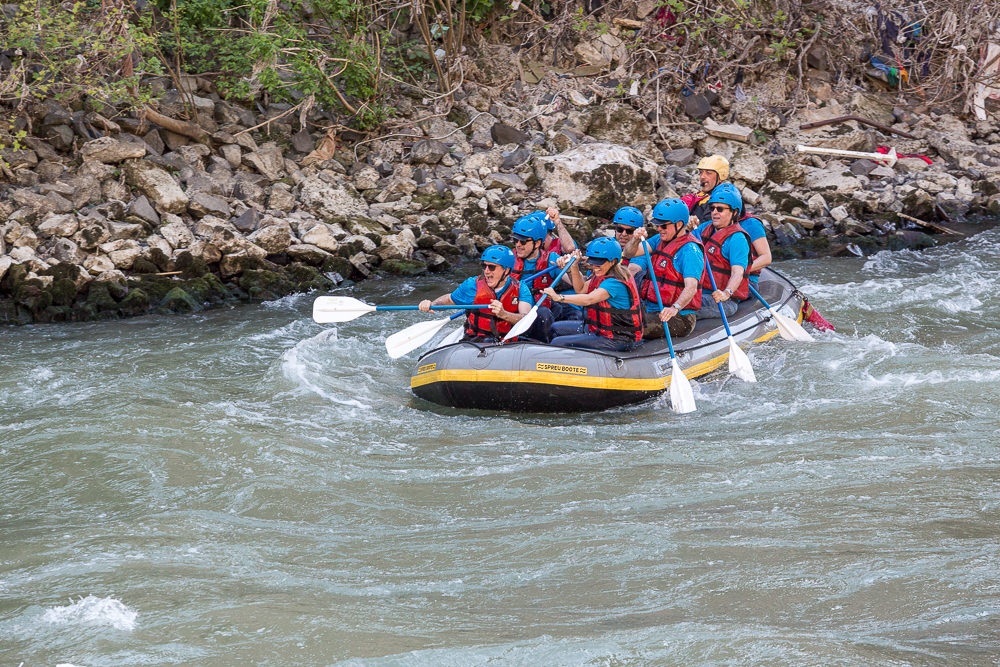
<point>677,261</point>
<point>727,251</point>
<point>626,221</point>
<point>611,304</point>
<point>528,240</point>
<point>509,300</point>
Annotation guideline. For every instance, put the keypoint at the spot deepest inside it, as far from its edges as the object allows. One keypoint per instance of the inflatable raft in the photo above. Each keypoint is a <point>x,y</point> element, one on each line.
<point>527,376</point>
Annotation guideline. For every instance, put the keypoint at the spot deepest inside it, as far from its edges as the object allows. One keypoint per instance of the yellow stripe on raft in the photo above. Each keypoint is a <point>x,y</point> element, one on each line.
<point>565,380</point>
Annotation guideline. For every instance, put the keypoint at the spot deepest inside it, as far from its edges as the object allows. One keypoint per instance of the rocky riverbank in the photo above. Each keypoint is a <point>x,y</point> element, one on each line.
<point>105,216</point>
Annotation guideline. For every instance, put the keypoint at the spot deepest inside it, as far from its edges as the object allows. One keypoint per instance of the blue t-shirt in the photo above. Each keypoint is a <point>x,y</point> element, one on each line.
<point>736,249</point>
<point>755,229</point>
<point>689,262</point>
<point>466,292</point>
<point>642,260</point>
<point>618,292</point>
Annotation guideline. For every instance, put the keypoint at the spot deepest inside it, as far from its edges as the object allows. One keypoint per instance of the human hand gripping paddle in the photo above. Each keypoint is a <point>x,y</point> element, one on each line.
<point>787,327</point>
<point>681,396</point>
<point>739,363</point>
<point>412,337</point>
<point>529,318</point>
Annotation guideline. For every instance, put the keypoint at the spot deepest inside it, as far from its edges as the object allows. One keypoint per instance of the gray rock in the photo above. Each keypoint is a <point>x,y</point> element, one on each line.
<point>125,230</point>
<point>302,141</point>
<point>154,142</point>
<point>697,106</point>
<point>267,160</point>
<point>503,134</point>
<point>112,151</point>
<point>233,154</point>
<point>516,158</point>
<point>177,235</point>
<point>157,184</point>
<point>321,236</point>
<point>141,208</point>
<point>428,151</point>
<point>396,246</point>
<point>202,204</point>
<point>66,251</point>
<point>280,198</point>
<point>248,191</point>
<point>273,238</point>
<point>597,177</point>
<point>679,157</point>
<point>504,181</point>
<point>248,221</point>
<point>331,201</point>
<point>309,254</point>
<point>862,167</point>
<point>59,225</point>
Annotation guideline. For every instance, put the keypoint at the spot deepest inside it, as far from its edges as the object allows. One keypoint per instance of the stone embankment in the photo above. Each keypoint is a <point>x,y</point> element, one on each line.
<point>103,218</point>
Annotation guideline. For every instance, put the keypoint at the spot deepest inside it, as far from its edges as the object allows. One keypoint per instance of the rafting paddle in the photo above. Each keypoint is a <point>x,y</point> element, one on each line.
<point>529,318</point>
<point>739,363</point>
<point>327,309</point>
<point>681,396</point>
<point>787,327</point>
<point>414,336</point>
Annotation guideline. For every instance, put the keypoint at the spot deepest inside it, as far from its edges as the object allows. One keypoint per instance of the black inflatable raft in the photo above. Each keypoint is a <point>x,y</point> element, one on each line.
<point>526,376</point>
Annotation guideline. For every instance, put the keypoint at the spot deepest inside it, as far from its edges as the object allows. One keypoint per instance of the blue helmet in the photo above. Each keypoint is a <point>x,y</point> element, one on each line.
<point>629,216</point>
<point>726,193</point>
<point>671,210</point>
<point>529,227</point>
<point>544,217</point>
<point>499,254</point>
<point>604,248</point>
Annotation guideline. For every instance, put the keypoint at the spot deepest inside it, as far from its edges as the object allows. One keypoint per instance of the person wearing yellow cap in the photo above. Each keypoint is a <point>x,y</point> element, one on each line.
<point>712,171</point>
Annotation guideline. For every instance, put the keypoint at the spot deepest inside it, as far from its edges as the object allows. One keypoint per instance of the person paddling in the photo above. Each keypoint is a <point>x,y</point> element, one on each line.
<point>678,262</point>
<point>727,247</point>
<point>612,308</point>
<point>626,222</point>
<point>528,240</point>
<point>712,171</point>
<point>509,300</point>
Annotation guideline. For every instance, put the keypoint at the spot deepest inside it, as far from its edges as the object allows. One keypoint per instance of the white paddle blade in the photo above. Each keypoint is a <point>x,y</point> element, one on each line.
<point>523,324</point>
<point>453,337</point>
<point>681,395</point>
<point>789,328</point>
<point>413,337</point>
<point>739,363</point>
<point>327,309</point>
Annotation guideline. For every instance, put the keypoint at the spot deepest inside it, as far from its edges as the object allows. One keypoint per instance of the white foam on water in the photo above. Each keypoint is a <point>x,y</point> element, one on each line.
<point>93,611</point>
<point>306,375</point>
<point>931,378</point>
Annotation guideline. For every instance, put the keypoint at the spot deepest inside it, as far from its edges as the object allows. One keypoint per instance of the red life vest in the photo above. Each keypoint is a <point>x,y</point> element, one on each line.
<point>721,268</point>
<point>698,205</point>
<point>615,323</point>
<point>539,283</point>
<point>670,280</point>
<point>482,321</point>
<point>555,246</point>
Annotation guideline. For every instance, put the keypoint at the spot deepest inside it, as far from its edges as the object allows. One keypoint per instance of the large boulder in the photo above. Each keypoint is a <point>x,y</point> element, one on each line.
<point>273,238</point>
<point>598,177</point>
<point>331,201</point>
<point>157,184</point>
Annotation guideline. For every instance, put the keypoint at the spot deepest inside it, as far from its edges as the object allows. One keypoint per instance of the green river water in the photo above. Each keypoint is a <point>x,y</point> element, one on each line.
<point>245,486</point>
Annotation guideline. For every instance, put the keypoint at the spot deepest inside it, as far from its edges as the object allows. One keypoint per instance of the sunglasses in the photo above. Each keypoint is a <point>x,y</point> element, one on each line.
<point>521,241</point>
<point>719,209</point>
<point>664,225</point>
<point>624,230</point>
<point>491,267</point>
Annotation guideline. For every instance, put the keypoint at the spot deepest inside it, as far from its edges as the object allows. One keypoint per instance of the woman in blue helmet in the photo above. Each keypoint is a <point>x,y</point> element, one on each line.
<point>612,308</point>
<point>727,250</point>
<point>678,263</point>
<point>509,300</point>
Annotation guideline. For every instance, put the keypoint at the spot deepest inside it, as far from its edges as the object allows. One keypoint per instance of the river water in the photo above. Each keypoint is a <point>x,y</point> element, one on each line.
<point>246,486</point>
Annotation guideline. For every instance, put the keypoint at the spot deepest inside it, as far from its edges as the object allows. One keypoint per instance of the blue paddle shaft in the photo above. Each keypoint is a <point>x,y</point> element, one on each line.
<point>659,299</point>
<point>711,279</point>
<point>535,275</point>
<point>468,306</point>
<point>757,294</point>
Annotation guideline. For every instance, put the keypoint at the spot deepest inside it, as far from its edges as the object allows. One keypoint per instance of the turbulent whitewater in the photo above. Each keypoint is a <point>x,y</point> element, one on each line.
<point>248,486</point>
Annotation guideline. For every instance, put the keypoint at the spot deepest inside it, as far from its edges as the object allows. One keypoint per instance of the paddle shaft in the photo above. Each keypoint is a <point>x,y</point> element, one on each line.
<point>468,306</point>
<point>757,294</point>
<point>722,312</point>
<point>659,299</point>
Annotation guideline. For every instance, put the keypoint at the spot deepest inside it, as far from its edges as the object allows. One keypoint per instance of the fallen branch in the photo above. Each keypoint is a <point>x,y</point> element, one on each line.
<point>941,229</point>
<point>844,119</point>
<point>181,127</point>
